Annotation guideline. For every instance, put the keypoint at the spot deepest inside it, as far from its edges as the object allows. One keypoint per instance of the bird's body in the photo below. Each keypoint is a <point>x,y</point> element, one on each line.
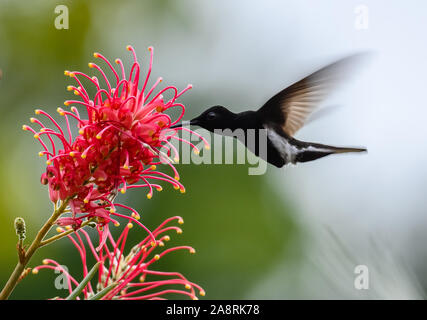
<point>281,148</point>
<point>279,118</point>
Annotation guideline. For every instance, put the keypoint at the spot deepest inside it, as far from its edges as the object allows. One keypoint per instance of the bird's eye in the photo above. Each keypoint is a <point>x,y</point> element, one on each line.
<point>211,115</point>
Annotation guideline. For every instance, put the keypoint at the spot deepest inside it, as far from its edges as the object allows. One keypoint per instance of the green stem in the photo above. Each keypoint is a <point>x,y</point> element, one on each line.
<point>20,266</point>
<point>63,234</point>
<point>103,292</point>
<point>73,295</point>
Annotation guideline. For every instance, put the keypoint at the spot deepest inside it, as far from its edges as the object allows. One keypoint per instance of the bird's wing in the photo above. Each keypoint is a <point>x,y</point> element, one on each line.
<point>292,106</point>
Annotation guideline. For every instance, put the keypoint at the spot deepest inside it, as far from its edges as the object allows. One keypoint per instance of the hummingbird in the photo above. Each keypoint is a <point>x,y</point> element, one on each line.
<point>282,116</point>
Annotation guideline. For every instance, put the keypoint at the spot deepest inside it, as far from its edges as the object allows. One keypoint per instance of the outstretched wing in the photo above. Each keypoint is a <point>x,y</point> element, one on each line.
<point>292,106</point>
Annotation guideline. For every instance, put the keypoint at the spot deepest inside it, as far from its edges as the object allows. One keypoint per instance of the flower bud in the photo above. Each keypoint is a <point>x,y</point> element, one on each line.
<point>20,228</point>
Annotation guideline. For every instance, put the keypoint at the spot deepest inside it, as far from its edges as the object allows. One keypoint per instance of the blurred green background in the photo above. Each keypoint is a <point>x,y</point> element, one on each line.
<point>255,236</point>
<point>222,208</point>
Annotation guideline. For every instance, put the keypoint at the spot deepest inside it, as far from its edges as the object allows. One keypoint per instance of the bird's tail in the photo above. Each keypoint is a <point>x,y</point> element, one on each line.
<point>313,151</point>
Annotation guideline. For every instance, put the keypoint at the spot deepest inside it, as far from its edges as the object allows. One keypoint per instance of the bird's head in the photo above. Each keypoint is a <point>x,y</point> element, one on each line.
<point>216,117</point>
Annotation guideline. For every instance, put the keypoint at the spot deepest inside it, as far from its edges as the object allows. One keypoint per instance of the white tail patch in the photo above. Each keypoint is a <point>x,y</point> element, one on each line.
<point>286,150</point>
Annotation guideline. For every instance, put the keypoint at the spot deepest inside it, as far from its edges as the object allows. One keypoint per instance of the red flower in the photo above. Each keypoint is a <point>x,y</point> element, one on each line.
<point>132,273</point>
<point>125,135</point>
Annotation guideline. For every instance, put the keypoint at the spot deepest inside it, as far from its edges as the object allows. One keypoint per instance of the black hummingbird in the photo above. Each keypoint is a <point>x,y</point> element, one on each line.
<point>283,115</point>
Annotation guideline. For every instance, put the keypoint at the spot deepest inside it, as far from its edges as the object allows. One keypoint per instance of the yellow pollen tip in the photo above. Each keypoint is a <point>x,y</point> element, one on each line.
<point>42,130</point>
<point>45,261</point>
<point>24,127</point>
<point>32,120</point>
<point>153,167</point>
<point>187,286</point>
<point>48,162</point>
<point>176,178</point>
<point>122,190</point>
<point>160,79</point>
<point>129,48</point>
<point>181,221</point>
<point>66,72</point>
<point>90,64</point>
<point>195,298</point>
<point>197,152</point>
<point>72,74</point>
<point>159,189</point>
<point>117,224</point>
<point>153,243</point>
<point>179,230</point>
<point>96,55</point>
<point>149,195</point>
<point>176,187</point>
<point>156,257</point>
<point>36,136</point>
<point>207,147</point>
<point>129,225</point>
<point>76,92</point>
<point>35,271</point>
<point>40,154</point>
<point>81,131</point>
<point>68,228</point>
<point>83,156</point>
<point>202,293</point>
<point>117,61</point>
<point>141,279</point>
<point>72,154</point>
<point>98,137</point>
<point>86,200</point>
<point>59,230</point>
<point>69,88</point>
<point>133,215</point>
<point>37,111</point>
<point>112,210</point>
<point>182,190</point>
<point>66,103</point>
<point>126,167</point>
<point>166,238</point>
<point>192,251</point>
<point>176,159</point>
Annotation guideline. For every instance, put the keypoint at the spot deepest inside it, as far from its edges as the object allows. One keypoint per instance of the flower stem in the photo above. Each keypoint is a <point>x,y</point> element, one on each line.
<point>63,234</point>
<point>20,266</point>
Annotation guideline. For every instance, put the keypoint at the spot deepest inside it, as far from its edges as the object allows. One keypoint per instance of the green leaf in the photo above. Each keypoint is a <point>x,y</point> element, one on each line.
<point>103,292</point>
<point>73,295</point>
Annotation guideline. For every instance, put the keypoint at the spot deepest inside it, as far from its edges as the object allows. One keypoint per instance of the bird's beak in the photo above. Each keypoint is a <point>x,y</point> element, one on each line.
<point>194,122</point>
